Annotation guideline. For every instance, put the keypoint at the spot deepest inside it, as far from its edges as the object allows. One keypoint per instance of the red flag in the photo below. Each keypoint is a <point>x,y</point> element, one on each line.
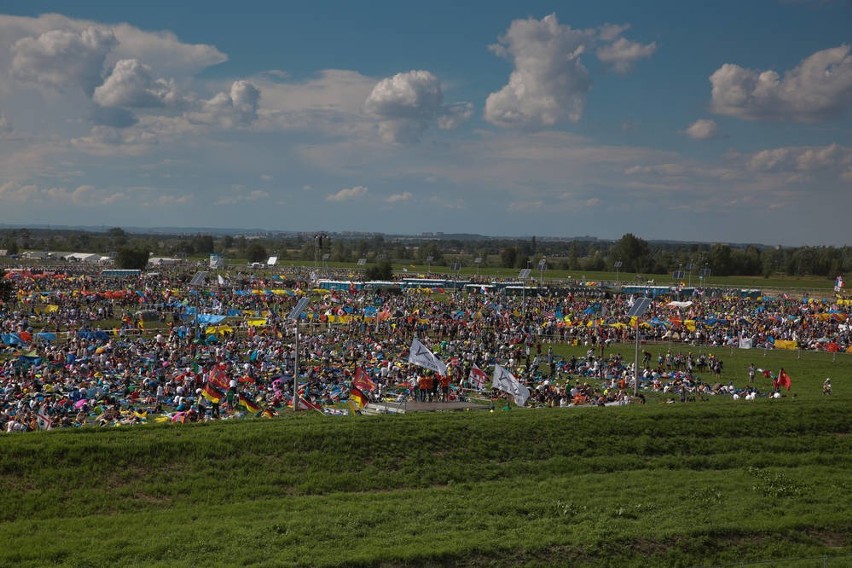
<point>478,377</point>
<point>362,380</point>
<point>784,379</point>
<point>218,377</point>
<point>308,405</point>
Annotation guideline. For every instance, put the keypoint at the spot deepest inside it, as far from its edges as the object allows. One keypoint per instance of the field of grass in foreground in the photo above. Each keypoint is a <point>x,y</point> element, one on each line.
<point>693,484</point>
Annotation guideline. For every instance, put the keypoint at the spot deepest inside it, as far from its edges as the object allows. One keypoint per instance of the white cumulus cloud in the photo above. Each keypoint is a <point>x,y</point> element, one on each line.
<point>408,103</point>
<point>623,53</point>
<point>399,197</point>
<point>820,159</point>
<point>237,107</point>
<point>131,85</point>
<point>53,39</point>
<point>59,58</point>
<point>549,82</point>
<point>348,193</point>
<point>702,129</point>
<point>818,88</point>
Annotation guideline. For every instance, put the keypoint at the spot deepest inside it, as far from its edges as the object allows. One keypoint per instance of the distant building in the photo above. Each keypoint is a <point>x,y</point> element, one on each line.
<point>82,257</point>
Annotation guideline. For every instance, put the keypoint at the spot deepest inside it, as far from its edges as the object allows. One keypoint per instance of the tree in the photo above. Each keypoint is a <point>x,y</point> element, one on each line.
<point>573,262</point>
<point>203,243</point>
<point>430,249</point>
<point>131,258</point>
<point>381,271</point>
<point>508,256</point>
<point>256,252</point>
<point>720,259</point>
<point>632,251</point>
<point>117,237</point>
<point>11,246</point>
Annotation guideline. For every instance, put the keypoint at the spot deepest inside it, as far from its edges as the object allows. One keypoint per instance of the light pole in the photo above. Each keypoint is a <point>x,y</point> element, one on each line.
<point>542,266</point>
<point>523,275</point>
<point>618,265</point>
<point>704,275</point>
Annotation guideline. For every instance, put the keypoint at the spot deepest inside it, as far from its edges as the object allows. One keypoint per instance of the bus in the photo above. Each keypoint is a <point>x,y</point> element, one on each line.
<point>120,273</point>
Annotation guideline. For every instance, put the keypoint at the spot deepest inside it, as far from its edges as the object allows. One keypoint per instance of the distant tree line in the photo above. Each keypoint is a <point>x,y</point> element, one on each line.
<point>634,254</point>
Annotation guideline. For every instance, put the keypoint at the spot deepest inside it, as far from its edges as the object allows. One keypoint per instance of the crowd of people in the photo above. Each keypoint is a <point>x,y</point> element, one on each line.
<point>82,349</point>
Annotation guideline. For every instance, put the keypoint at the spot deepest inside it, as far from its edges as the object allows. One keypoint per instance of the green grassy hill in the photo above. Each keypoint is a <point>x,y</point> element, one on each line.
<point>696,484</point>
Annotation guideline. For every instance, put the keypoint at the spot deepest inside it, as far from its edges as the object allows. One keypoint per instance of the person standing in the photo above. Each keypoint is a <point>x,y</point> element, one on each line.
<point>751,371</point>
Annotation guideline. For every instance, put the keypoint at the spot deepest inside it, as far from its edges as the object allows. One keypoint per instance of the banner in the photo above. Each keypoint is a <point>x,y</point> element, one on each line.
<point>506,382</point>
<point>420,355</point>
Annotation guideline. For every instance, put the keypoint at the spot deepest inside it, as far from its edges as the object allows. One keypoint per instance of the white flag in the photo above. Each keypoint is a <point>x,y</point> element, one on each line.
<point>420,355</point>
<point>506,382</point>
<point>746,342</point>
<point>221,280</point>
<point>44,421</point>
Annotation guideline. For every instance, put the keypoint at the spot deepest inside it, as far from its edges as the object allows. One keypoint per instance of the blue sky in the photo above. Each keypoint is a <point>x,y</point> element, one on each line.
<point>703,121</point>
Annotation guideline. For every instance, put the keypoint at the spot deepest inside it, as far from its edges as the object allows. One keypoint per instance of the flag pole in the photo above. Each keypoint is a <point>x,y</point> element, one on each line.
<point>296,371</point>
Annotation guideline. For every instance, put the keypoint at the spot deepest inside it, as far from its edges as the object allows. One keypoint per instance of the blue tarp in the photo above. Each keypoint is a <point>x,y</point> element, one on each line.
<point>11,339</point>
<point>593,309</point>
<point>98,335</point>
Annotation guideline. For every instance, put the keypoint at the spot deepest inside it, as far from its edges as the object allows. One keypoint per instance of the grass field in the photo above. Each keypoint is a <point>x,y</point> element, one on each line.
<point>695,484</point>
